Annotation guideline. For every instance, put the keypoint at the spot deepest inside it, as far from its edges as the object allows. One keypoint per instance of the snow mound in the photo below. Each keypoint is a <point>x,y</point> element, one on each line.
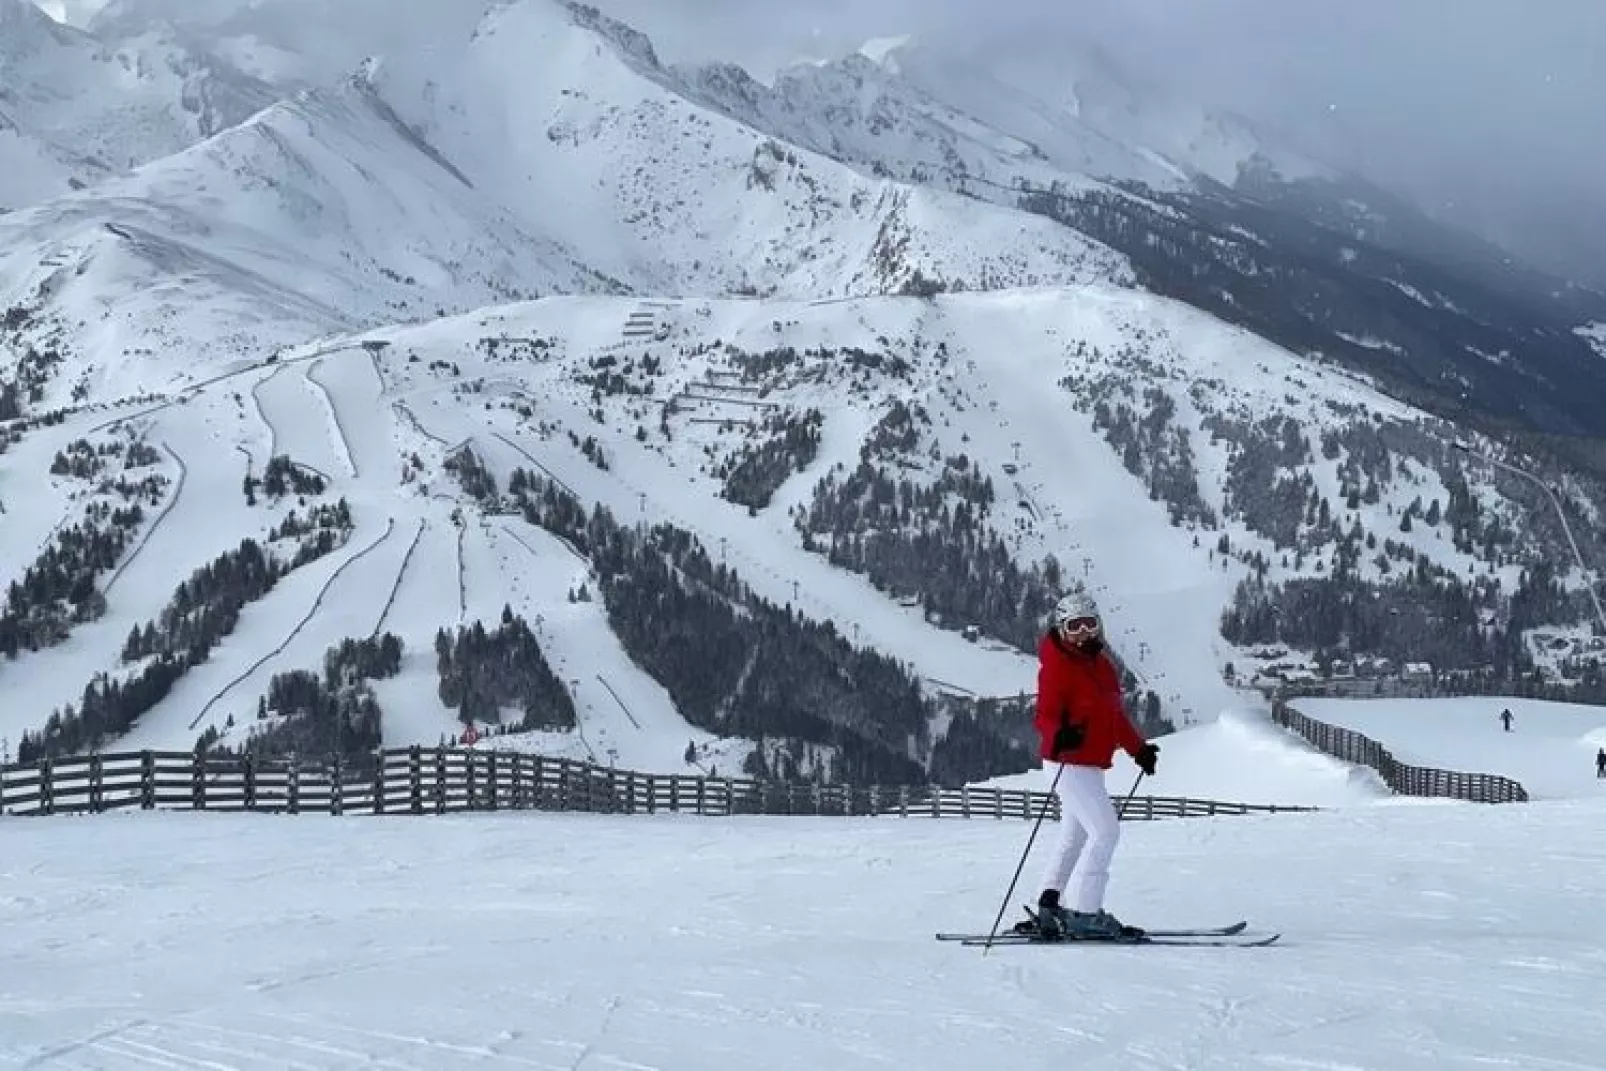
<point>1245,758</point>
<point>1241,757</point>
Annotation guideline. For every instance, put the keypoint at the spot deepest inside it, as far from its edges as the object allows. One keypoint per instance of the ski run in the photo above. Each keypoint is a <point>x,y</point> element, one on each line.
<point>1437,936</point>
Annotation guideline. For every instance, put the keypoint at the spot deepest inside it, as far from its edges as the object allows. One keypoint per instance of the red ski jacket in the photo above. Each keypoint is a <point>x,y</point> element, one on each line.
<point>1085,690</point>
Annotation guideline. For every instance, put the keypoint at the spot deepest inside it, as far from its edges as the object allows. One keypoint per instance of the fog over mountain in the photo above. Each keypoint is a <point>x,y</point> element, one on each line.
<point>1486,112</point>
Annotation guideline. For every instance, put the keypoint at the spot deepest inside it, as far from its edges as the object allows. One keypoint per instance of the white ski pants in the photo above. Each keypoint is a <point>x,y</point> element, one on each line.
<point>1088,834</point>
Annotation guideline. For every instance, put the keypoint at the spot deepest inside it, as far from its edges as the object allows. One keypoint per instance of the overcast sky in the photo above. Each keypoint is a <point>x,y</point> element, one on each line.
<point>1490,111</point>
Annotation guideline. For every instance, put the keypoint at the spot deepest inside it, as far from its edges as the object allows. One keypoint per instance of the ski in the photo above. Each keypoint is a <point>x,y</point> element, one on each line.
<point>1019,939</point>
<point>1201,931</point>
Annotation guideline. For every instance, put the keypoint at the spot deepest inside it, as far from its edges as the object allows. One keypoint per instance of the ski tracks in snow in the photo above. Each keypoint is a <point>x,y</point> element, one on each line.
<point>401,574</point>
<point>312,612</point>
<point>274,437</point>
<point>366,426</point>
<point>265,1039</point>
<point>156,522</point>
<point>337,432</point>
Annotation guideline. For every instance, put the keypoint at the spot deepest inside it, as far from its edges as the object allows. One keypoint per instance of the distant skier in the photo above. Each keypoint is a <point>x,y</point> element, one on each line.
<point>1600,763</point>
<point>1081,721</point>
<point>1505,717</point>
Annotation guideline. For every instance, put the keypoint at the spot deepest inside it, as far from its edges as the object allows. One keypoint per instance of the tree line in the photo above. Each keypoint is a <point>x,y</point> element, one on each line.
<point>334,715</point>
<point>788,444</point>
<point>60,589</point>
<point>484,673</point>
<point>733,662</point>
<point>204,609</point>
<point>932,543</point>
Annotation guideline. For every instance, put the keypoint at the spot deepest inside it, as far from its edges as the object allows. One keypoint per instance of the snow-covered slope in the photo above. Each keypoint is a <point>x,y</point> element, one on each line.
<point>897,106</point>
<point>278,230</point>
<point>832,371</point>
<point>75,109</point>
<point>1551,747</point>
<point>427,184</point>
<point>641,407</point>
<point>1595,334</point>
<point>1433,938</point>
<point>677,199</point>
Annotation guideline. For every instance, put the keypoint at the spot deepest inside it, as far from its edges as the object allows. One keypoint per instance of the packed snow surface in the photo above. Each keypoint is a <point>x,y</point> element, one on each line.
<point>1452,937</point>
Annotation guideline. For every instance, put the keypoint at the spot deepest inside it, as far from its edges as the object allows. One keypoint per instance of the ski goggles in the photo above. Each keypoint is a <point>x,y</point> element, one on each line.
<point>1080,626</point>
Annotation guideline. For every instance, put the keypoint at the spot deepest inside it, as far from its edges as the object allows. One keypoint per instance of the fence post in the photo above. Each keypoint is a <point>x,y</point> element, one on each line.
<point>248,765</point>
<point>468,757</point>
<point>95,784</point>
<point>490,782</point>
<point>337,788</point>
<point>198,782</point>
<point>415,779</point>
<point>147,781</point>
<point>379,783</point>
<point>292,777</point>
<point>440,780</point>
<point>903,801</point>
<point>47,787</point>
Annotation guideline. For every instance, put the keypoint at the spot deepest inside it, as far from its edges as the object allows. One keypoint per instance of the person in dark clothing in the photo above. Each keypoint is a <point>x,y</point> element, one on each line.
<point>1505,716</point>
<point>1600,763</point>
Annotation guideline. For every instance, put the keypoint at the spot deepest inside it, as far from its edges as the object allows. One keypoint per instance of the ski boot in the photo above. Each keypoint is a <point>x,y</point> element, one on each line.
<point>1053,922</point>
<point>1098,926</point>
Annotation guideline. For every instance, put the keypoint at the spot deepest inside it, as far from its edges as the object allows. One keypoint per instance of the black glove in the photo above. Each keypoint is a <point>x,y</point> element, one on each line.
<point>1068,737</point>
<point>1146,757</point>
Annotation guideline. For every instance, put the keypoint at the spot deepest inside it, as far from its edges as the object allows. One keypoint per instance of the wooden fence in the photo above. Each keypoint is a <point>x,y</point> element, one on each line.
<point>1351,746</point>
<point>437,781</point>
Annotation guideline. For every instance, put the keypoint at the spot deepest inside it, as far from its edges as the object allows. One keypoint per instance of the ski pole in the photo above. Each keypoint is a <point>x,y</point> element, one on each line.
<point>988,947</point>
<point>1122,812</point>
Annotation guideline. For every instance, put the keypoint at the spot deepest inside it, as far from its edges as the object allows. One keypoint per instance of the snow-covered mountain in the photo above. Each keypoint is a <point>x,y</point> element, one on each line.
<point>1076,112</point>
<point>286,226</point>
<point>884,361</point>
<point>274,231</point>
<point>1156,456</point>
<point>75,109</point>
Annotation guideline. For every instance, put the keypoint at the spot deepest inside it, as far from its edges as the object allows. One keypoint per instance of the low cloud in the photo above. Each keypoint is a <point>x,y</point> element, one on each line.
<point>1490,113</point>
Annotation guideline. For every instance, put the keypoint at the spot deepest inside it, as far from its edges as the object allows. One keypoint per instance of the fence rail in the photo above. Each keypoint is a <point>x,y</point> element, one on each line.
<point>441,780</point>
<point>1351,746</point>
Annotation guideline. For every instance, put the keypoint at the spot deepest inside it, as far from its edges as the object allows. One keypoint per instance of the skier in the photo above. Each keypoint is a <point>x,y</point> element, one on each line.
<point>1505,716</point>
<point>1081,722</point>
<point>1600,763</point>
